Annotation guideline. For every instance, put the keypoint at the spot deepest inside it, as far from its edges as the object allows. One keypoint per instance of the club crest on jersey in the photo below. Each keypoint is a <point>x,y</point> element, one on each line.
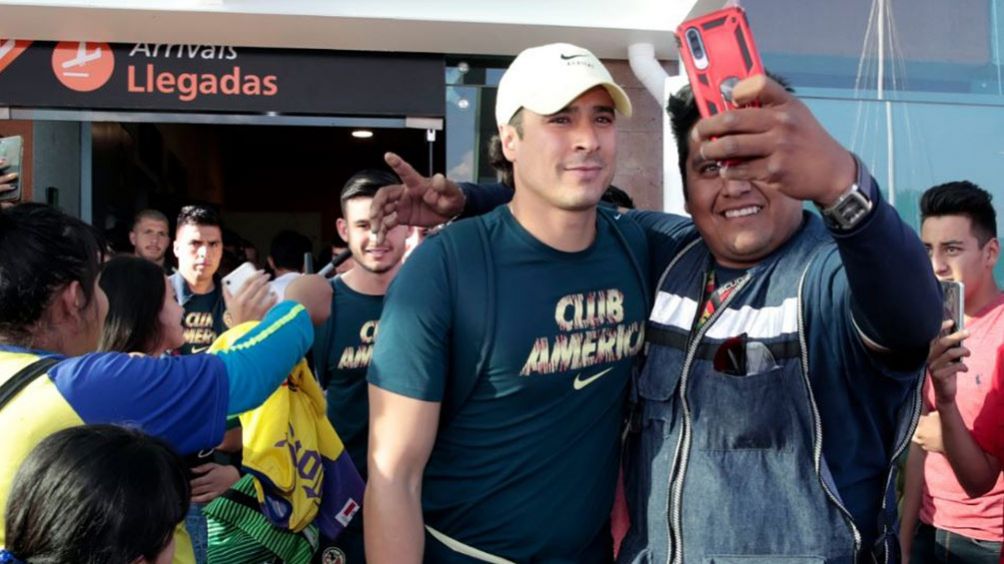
<point>591,332</point>
<point>333,555</point>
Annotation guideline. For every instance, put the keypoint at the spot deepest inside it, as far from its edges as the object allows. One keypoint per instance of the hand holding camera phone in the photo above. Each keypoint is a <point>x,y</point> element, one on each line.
<point>246,305</point>
<point>234,281</point>
<point>11,154</point>
<point>718,51</point>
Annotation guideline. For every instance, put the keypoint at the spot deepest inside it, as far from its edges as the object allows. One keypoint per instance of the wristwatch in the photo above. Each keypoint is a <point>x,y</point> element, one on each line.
<point>848,211</point>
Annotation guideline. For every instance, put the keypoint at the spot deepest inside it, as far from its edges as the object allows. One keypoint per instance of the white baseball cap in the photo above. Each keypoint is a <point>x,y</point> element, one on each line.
<point>545,79</point>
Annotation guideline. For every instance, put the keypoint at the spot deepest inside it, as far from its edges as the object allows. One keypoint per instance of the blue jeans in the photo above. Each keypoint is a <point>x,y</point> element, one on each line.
<point>195,524</point>
<point>933,545</point>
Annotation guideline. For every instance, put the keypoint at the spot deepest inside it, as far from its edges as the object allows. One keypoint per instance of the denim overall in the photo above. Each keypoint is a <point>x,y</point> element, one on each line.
<point>728,467</point>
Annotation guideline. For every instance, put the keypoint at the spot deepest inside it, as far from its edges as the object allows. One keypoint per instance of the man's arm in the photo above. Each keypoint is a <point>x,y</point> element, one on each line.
<point>976,470</point>
<point>913,491</point>
<point>429,201</point>
<point>402,432</point>
<point>895,298</point>
<point>408,378</point>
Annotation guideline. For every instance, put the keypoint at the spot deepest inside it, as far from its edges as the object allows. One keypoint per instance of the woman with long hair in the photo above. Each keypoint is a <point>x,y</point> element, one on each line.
<point>143,314</point>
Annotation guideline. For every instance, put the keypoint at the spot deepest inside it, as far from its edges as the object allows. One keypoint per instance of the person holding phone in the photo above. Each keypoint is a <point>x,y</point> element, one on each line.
<point>941,521</point>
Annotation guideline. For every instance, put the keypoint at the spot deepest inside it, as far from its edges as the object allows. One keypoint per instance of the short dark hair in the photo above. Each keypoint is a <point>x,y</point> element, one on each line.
<point>288,248</point>
<point>96,494</point>
<point>198,215</point>
<point>962,197</point>
<point>683,114</point>
<point>503,167</point>
<point>365,183</point>
<point>148,214</point>
<point>496,157</point>
<point>41,251</point>
<point>135,288</point>
<point>616,196</point>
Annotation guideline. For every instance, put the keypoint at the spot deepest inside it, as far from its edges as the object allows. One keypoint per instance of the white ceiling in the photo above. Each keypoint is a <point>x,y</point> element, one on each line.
<point>434,26</point>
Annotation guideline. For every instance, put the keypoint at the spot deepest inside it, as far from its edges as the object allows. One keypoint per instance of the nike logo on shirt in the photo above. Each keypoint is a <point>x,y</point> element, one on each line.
<point>197,350</point>
<point>580,382</point>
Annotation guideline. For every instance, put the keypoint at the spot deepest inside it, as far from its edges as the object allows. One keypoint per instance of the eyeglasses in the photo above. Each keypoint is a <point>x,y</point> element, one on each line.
<point>740,356</point>
<point>730,357</point>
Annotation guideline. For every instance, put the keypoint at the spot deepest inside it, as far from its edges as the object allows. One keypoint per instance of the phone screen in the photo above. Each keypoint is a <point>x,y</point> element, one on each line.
<point>954,305</point>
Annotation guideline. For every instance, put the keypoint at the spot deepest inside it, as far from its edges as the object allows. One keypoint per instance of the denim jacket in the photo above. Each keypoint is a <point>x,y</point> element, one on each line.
<point>726,464</point>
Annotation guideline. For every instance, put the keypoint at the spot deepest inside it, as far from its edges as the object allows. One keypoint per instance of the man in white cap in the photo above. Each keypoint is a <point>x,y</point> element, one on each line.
<point>496,400</point>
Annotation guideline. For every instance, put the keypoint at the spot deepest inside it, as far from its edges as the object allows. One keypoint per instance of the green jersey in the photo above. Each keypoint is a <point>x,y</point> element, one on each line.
<point>349,349</point>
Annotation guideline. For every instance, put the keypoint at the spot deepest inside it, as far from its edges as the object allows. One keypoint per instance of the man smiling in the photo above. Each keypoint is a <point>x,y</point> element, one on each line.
<point>344,345</point>
<point>523,468</point>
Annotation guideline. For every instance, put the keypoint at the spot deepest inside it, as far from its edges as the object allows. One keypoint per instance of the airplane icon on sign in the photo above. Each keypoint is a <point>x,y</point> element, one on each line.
<point>7,46</point>
<point>83,66</point>
<point>82,58</point>
<point>11,49</point>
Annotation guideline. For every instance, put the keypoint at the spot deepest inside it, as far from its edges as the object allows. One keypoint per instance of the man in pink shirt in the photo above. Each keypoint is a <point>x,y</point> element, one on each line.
<point>941,522</point>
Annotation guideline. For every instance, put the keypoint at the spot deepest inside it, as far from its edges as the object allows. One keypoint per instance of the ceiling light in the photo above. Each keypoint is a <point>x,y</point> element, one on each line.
<point>362,134</point>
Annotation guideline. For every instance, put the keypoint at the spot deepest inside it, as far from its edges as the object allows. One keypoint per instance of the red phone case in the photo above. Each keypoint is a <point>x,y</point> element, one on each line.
<point>730,55</point>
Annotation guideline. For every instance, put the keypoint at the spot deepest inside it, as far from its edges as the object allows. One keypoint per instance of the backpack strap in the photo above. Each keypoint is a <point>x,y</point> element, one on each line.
<point>326,337</point>
<point>632,238</point>
<point>23,377</point>
<point>471,272</point>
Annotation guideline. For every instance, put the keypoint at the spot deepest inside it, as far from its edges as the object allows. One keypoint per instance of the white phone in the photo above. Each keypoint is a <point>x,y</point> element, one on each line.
<point>234,281</point>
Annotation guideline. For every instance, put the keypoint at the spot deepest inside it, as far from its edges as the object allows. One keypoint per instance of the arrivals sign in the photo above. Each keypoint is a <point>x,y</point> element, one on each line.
<point>214,78</point>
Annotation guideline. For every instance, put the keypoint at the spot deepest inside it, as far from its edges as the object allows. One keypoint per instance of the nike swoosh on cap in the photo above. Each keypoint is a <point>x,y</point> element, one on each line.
<point>568,57</point>
<point>580,383</point>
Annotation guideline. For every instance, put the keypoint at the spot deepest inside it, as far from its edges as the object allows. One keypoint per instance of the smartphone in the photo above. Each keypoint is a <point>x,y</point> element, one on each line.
<point>718,51</point>
<point>234,281</point>
<point>954,302</point>
<point>12,152</point>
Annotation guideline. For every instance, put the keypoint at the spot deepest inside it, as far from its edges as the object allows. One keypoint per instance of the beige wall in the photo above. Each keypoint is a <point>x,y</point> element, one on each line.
<point>640,145</point>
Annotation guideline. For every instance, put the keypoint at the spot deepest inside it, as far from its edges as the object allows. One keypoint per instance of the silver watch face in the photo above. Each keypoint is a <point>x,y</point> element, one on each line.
<point>849,210</point>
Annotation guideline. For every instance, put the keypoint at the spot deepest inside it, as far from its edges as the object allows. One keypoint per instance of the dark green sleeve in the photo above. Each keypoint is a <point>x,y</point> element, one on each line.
<point>483,198</point>
<point>412,351</point>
